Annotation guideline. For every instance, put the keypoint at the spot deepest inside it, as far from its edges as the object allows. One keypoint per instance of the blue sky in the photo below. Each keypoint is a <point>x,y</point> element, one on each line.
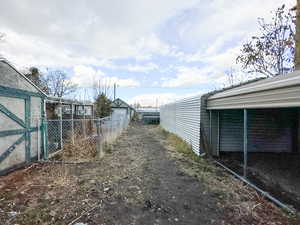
<point>154,50</point>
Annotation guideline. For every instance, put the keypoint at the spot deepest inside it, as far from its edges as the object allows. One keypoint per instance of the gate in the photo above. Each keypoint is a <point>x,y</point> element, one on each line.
<point>16,127</point>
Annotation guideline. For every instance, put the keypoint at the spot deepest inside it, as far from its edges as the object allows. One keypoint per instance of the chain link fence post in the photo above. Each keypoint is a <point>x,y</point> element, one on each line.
<point>99,139</point>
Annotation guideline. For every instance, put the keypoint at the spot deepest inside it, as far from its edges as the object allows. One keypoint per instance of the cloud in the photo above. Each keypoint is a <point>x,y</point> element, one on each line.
<point>170,43</point>
<point>221,30</point>
<point>141,68</point>
<point>134,67</point>
<point>188,76</point>
<point>153,99</point>
<point>158,99</point>
<point>86,76</point>
<point>210,20</point>
<point>79,32</point>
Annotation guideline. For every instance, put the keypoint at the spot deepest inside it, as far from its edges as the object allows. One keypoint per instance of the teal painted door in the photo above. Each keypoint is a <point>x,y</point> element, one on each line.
<point>15,128</point>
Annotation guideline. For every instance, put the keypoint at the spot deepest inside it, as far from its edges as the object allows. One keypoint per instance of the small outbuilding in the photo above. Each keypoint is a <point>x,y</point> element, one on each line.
<point>22,116</point>
<point>121,109</point>
<point>252,128</point>
<point>148,115</point>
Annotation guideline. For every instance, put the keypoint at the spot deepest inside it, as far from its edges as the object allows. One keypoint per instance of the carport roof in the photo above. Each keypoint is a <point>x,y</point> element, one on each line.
<point>280,91</point>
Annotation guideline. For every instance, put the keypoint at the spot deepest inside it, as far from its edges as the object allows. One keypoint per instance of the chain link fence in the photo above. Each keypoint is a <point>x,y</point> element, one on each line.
<point>90,135</point>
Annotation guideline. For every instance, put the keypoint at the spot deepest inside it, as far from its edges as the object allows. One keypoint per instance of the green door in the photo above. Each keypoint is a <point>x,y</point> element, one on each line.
<point>15,127</point>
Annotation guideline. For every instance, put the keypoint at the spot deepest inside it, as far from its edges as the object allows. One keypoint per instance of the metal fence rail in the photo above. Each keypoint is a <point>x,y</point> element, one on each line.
<point>183,119</point>
<point>64,131</point>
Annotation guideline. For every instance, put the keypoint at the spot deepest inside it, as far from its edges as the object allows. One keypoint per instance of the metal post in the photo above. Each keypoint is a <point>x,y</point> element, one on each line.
<point>245,142</point>
<point>38,139</point>
<point>45,131</point>
<point>210,127</point>
<point>84,128</point>
<point>61,125</point>
<point>99,140</point>
<point>115,87</point>
<point>111,129</point>
<point>72,123</point>
<point>218,147</point>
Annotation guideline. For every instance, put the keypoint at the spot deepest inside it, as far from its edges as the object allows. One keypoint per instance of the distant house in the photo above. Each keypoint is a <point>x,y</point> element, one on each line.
<point>68,108</point>
<point>148,115</point>
<point>121,108</point>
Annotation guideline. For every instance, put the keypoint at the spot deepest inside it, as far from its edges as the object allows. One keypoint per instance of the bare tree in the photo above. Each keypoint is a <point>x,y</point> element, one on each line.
<point>297,36</point>
<point>271,52</point>
<point>58,84</point>
<point>231,78</point>
<point>102,86</point>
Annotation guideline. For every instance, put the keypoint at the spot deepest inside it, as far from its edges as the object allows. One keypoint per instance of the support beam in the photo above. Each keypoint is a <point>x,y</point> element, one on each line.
<point>245,142</point>
<point>218,147</point>
<point>72,123</point>
<point>60,125</point>
<point>11,148</point>
<point>12,116</point>
<point>210,128</point>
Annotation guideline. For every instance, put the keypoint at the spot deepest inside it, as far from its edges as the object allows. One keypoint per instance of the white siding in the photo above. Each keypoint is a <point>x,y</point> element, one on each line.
<point>183,119</point>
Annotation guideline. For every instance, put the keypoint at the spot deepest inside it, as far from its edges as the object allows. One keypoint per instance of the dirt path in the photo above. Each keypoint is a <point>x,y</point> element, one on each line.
<point>142,181</point>
<point>153,189</point>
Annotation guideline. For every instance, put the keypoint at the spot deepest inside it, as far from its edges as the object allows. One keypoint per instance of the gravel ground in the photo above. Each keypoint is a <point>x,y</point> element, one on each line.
<point>143,180</point>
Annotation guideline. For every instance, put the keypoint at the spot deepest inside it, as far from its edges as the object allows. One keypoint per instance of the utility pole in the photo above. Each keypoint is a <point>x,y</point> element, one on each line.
<point>115,87</point>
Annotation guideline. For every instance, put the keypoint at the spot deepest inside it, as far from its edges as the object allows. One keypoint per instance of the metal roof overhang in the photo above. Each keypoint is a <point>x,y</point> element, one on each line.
<point>277,92</point>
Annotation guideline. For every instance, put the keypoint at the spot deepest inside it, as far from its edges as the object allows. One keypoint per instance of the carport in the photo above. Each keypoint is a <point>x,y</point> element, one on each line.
<point>261,116</point>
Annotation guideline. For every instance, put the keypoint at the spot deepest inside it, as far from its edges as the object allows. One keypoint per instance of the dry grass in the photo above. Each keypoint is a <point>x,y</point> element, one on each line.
<point>244,205</point>
<point>61,175</point>
<point>180,145</point>
<point>83,149</point>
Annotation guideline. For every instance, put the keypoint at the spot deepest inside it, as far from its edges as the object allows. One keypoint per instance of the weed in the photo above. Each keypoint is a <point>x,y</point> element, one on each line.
<point>108,148</point>
<point>180,145</point>
<point>233,194</point>
<point>80,149</point>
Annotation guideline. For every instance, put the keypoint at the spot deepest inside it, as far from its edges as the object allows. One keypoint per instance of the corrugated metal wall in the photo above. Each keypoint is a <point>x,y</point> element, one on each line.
<point>231,130</point>
<point>271,130</point>
<point>268,130</point>
<point>183,119</point>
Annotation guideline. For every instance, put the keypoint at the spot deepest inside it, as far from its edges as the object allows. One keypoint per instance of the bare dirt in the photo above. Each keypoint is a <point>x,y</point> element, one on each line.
<point>144,180</point>
<point>276,173</point>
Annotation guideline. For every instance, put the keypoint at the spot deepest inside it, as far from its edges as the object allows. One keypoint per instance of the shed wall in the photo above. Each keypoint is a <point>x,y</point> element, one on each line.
<point>20,119</point>
<point>11,78</point>
<point>120,113</point>
<point>183,119</point>
<point>268,130</point>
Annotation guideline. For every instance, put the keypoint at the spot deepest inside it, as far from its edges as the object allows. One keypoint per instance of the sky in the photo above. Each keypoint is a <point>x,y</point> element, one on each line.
<point>155,51</point>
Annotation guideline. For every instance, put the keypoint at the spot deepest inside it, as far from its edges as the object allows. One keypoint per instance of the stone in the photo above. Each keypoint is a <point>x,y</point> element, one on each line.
<point>107,189</point>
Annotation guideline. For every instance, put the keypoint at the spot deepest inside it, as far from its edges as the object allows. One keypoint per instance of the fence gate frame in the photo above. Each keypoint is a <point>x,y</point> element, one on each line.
<point>25,123</point>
